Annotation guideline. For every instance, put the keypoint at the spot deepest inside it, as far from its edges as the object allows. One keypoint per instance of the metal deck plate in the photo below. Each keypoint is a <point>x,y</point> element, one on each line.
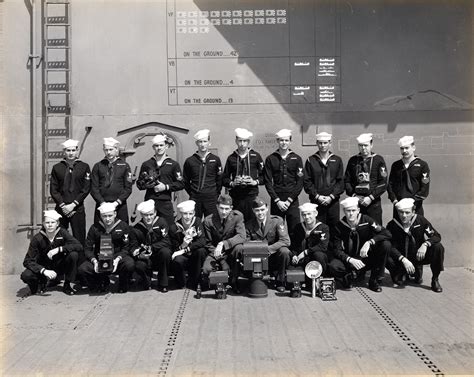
<point>399,331</point>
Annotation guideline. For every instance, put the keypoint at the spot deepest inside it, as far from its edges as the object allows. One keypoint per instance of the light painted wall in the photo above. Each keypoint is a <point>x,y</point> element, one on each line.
<point>17,166</point>
<point>119,81</point>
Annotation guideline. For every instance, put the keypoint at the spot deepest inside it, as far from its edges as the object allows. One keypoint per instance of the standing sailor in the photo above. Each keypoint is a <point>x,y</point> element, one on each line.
<point>366,178</point>
<point>160,176</point>
<point>69,186</point>
<point>284,175</point>
<point>202,175</point>
<point>324,180</point>
<point>111,181</point>
<point>409,177</point>
<point>243,173</point>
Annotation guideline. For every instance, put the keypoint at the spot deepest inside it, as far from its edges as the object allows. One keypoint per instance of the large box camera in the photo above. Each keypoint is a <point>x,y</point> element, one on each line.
<point>106,254</point>
<point>255,256</point>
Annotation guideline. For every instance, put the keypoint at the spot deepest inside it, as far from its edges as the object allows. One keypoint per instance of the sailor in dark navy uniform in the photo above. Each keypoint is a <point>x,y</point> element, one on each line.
<point>311,239</point>
<point>243,173</point>
<point>189,244</point>
<point>202,175</point>
<point>51,252</point>
<point>69,186</point>
<point>324,180</point>
<point>284,176</point>
<point>160,176</point>
<point>415,242</point>
<point>273,230</point>
<point>366,178</point>
<point>111,181</point>
<point>123,242</point>
<point>409,177</point>
<point>360,244</point>
<point>154,246</point>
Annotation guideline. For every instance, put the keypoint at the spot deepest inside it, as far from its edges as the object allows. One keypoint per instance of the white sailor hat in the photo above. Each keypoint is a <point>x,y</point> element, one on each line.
<point>364,138</point>
<point>158,139</point>
<point>70,144</point>
<point>407,203</point>
<point>323,136</point>
<point>106,208</point>
<point>284,133</point>
<point>351,201</point>
<point>110,142</point>
<point>186,206</point>
<point>406,140</point>
<point>308,207</point>
<point>146,207</point>
<point>243,133</point>
<point>52,214</point>
<point>202,134</point>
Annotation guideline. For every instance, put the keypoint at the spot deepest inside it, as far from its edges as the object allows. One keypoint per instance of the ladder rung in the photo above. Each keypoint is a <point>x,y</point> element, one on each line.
<point>58,64</point>
<point>65,116</point>
<point>55,20</point>
<point>58,69</point>
<point>58,109</point>
<point>58,92</point>
<point>56,41</point>
<point>56,154</point>
<point>57,132</point>
<point>57,86</point>
<point>58,2</point>
<point>58,47</point>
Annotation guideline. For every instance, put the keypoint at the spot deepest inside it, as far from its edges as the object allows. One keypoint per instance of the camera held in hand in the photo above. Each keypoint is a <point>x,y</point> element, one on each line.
<point>243,180</point>
<point>106,254</point>
<point>144,252</point>
<point>148,180</point>
<point>363,186</point>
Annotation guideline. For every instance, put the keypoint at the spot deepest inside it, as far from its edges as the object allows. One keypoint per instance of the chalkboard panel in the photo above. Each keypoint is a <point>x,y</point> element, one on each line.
<point>326,55</point>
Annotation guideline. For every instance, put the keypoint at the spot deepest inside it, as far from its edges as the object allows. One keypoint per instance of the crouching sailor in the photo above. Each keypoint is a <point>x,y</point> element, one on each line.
<point>52,251</point>
<point>414,243</point>
<point>110,236</point>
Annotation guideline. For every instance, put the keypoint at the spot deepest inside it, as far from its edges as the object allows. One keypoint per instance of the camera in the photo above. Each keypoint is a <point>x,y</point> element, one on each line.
<point>243,180</point>
<point>363,177</point>
<point>106,254</point>
<point>363,188</point>
<point>148,180</point>
<point>144,252</point>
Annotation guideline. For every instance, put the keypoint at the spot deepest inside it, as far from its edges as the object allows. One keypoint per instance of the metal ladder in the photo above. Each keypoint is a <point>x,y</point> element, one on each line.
<point>56,86</point>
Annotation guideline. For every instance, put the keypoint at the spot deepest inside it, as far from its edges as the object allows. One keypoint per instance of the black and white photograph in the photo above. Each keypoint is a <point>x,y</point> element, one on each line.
<point>236,188</point>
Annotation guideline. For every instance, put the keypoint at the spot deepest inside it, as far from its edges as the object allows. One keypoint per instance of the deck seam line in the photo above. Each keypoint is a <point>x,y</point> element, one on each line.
<point>406,339</point>
<point>173,336</point>
<point>94,313</point>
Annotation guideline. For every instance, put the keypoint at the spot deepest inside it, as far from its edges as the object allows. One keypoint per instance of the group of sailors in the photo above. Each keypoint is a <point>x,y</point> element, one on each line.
<point>212,227</point>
